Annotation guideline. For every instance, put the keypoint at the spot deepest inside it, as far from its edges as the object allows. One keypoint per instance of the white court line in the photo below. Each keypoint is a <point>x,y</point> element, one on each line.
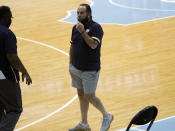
<point>165,118</point>
<point>46,45</point>
<point>136,129</point>
<point>168,1</point>
<point>148,21</point>
<point>123,6</point>
<point>143,130</point>
<point>144,9</point>
<point>61,108</point>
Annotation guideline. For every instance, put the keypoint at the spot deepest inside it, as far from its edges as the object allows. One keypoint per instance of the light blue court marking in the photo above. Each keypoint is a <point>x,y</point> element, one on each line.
<point>126,12</point>
<point>163,125</point>
<point>167,124</point>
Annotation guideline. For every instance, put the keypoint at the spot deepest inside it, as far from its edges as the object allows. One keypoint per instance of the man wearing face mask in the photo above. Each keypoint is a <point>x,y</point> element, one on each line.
<point>85,66</point>
<point>10,65</point>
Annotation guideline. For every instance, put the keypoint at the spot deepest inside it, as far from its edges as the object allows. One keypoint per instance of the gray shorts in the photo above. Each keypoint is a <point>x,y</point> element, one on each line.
<point>86,80</point>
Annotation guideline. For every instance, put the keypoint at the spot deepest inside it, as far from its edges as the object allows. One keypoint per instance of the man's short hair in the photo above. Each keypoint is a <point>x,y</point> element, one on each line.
<point>88,9</point>
<point>4,10</point>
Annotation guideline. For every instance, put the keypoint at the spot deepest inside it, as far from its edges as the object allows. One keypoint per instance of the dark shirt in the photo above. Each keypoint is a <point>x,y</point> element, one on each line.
<point>8,44</point>
<point>82,56</point>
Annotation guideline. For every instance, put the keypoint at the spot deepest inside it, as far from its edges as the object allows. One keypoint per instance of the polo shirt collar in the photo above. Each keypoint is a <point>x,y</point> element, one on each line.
<point>88,23</point>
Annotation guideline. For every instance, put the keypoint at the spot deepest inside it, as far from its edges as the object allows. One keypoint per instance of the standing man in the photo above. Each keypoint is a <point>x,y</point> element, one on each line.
<point>85,66</point>
<point>10,64</point>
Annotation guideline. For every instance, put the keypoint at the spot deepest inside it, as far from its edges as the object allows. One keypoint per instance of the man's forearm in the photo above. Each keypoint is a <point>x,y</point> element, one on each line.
<point>16,63</point>
<point>92,43</point>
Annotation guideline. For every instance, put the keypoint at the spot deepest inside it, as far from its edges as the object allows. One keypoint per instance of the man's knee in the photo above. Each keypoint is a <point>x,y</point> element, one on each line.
<point>90,97</point>
<point>80,92</point>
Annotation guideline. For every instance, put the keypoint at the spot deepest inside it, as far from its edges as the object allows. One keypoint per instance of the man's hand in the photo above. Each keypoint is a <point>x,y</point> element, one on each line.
<point>27,77</point>
<point>90,42</point>
<point>17,64</point>
<point>80,27</point>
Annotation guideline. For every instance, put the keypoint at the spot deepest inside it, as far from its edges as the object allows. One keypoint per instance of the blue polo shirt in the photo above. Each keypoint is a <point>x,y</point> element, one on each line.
<point>8,44</point>
<point>82,56</point>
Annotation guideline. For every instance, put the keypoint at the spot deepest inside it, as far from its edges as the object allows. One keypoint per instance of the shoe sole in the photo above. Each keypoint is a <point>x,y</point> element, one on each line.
<point>110,123</point>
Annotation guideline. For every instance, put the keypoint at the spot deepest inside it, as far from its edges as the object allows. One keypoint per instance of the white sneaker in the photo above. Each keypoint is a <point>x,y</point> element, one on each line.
<point>106,122</point>
<point>81,127</point>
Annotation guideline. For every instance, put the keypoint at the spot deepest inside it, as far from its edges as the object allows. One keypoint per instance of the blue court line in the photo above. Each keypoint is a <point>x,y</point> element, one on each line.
<point>126,12</point>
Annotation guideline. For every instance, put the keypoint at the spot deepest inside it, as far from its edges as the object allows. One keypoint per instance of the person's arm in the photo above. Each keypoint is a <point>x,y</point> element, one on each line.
<point>17,64</point>
<point>11,53</point>
<point>90,41</point>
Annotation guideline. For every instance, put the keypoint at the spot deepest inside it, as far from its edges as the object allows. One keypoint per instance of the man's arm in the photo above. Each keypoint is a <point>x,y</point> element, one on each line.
<point>17,64</point>
<point>91,42</point>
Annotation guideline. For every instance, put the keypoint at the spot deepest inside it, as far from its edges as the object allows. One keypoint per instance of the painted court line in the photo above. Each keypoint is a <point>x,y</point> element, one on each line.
<point>168,1</point>
<point>46,45</point>
<point>137,127</point>
<point>122,6</point>
<point>59,109</point>
<point>134,8</point>
<point>148,21</point>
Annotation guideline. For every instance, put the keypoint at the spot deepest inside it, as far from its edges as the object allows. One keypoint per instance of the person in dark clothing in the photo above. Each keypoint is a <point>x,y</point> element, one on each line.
<point>84,66</point>
<point>10,66</point>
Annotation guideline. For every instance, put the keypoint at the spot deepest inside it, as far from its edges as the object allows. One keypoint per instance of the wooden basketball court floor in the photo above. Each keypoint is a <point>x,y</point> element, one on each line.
<point>138,67</point>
